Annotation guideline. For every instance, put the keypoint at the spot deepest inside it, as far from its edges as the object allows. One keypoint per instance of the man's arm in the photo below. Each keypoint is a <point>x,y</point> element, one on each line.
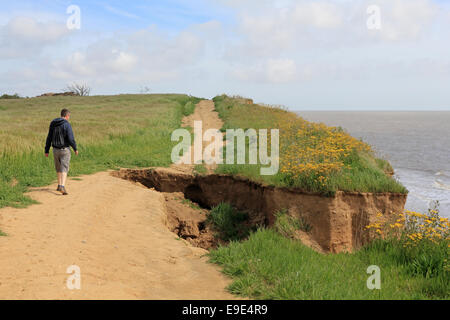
<point>48,143</point>
<point>71,138</point>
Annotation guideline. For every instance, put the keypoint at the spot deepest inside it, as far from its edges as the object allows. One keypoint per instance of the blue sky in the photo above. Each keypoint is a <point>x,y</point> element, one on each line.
<point>305,54</point>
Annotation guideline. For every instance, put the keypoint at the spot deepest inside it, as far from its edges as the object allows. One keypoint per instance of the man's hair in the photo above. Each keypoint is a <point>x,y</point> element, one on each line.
<point>64,113</point>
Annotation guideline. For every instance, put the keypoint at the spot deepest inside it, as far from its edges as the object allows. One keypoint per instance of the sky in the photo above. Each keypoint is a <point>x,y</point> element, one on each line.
<point>303,54</point>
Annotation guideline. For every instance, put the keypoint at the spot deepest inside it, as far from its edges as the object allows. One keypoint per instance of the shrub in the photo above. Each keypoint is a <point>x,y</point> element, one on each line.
<point>9,96</point>
<point>229,223</point>
<point>188,108</point>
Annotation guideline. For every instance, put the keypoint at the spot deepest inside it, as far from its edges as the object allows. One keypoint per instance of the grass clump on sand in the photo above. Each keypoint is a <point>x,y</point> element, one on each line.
<point>111,132</point>
<point>313,157</point>
<point>412,254</point>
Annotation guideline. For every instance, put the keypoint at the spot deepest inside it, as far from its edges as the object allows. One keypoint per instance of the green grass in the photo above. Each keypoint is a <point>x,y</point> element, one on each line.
<point>188,108</point>
<point>271,266</point>
<point>362,171</point>
<point>287,225</point>
<point>111,132</point>
<point>191,204</point>
<point>228,223</point>
<point>200,169</point>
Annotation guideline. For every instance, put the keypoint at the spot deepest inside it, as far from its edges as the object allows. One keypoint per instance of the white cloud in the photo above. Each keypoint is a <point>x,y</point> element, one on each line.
<point>24,37</point>
<point>281,70</point>
<point>270,70</point>
<point>320,14</point>
<point>405,19</point>
<point>145,55</point>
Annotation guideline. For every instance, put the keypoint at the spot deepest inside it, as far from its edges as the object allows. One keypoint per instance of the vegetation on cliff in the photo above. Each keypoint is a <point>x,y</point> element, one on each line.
<point>313,156</point>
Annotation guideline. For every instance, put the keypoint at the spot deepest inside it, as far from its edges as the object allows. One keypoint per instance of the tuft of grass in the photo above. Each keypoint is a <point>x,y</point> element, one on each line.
<point>2,234</point>
<point>286,225</point>
<point>200,169</point>
<point>188,108</point>
<point>191,204</point>
<point>229,223</point>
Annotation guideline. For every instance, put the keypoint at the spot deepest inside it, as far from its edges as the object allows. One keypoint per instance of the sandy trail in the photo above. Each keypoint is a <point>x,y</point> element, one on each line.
<point>115,231</point>
<point>206,113</point>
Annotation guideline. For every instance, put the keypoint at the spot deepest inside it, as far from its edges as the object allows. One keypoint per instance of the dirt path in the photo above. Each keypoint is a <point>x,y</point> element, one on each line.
<point>115,232</point>
<point>206,113</point>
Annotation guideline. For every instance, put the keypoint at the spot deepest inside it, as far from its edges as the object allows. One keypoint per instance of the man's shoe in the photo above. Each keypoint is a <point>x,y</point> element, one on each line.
<point>63,191</point>
<point>59,188</point>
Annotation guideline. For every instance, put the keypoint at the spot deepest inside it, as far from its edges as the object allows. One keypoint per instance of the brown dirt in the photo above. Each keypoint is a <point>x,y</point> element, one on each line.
<point>188,221</point>
<point>116,232</point>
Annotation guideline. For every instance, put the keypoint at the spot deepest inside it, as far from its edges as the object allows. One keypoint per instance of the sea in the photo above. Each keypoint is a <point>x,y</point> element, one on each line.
<point>416,143</point>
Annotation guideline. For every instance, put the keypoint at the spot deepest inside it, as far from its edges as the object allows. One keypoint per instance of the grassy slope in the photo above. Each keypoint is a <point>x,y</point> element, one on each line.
<point>270,266</point>
<point>365,173</point>
<point>111,131</point>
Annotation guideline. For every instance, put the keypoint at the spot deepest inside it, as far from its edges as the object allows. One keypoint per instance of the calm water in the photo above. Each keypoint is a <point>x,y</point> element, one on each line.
<point>417,144</point>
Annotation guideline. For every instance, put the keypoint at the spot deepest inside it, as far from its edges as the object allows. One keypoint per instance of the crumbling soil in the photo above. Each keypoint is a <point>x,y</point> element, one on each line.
<point>188,221</point>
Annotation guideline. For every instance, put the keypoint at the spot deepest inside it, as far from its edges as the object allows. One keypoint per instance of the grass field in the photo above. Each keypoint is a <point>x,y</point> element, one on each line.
<point>313,157</point>
<point>111,132</point>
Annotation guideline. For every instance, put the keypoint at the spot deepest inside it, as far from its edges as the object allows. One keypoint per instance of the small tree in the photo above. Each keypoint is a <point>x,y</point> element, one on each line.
<point>145,90</point>
<point>80,89</point>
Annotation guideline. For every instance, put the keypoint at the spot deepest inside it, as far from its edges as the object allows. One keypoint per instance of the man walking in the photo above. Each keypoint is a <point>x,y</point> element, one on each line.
<point>60,137</point>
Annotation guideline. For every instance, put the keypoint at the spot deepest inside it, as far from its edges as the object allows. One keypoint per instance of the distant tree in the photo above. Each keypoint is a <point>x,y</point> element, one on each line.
<point>145,90</point>
<point>80,89</point>
<point>9,96</point>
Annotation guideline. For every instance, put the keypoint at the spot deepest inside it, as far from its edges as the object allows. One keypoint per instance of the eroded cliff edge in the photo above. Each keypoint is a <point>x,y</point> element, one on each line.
<point>338,222</point>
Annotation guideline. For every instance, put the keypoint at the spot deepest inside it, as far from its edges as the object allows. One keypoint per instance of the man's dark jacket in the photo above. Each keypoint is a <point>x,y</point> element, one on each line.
<point>60,135</point>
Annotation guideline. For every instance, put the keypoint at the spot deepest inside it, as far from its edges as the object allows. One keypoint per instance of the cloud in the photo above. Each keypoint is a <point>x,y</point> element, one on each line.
<point>405,19</point>
<point>318,14</point>
<point>270,70</point>
<point>24,37</point>
<point>149,54</point>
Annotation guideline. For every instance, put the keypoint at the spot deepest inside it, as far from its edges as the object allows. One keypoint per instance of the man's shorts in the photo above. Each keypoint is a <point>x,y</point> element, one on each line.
<point>62,159</point>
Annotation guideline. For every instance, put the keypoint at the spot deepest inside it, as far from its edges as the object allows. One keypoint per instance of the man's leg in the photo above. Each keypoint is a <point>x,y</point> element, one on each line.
<point>65,163</point>
<point>59,178</point>
<point>63,178</point>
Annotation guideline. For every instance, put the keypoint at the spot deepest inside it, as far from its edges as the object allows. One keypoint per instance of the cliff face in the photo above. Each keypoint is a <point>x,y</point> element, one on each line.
<point>338,223</point>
